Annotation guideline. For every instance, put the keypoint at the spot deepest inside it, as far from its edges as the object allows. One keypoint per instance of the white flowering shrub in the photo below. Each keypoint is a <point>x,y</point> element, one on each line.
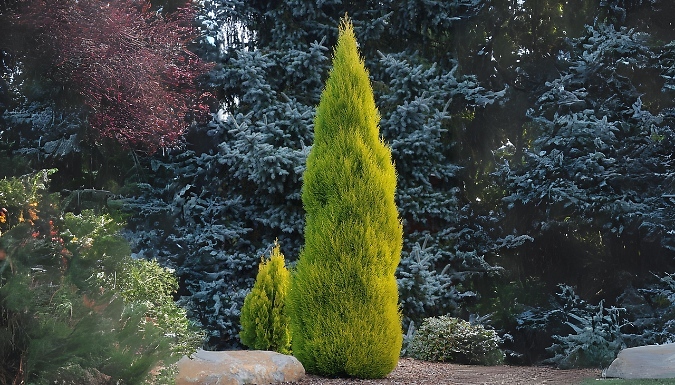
<point>451,339</point>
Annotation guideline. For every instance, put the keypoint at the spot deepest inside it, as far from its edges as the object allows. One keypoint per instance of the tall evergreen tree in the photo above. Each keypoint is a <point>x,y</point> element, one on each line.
<point>453,81</point>
<point>343,301</point>
<point>593,187</point>
<point>239,182</point>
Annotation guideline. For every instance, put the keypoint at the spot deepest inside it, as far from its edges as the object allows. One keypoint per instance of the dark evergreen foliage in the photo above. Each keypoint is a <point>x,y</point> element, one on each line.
<point>593,189</point>
<point>270,77</point>
<point>533,142</point>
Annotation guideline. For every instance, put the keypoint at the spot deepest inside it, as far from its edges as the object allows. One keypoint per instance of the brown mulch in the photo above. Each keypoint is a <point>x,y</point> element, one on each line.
<point>416,372</point>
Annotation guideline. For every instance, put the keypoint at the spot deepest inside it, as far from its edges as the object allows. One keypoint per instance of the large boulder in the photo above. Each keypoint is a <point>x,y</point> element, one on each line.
<point>653,361</point>
<point>238,367</point>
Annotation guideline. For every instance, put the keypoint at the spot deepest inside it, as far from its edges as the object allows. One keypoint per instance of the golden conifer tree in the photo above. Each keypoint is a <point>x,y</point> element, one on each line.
<point>264,322</point>
<point>343,301</point>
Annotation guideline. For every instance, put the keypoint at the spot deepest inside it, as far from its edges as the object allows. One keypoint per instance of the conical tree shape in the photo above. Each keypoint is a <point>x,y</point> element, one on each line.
<point>343,301</point>
<point>264,321</point>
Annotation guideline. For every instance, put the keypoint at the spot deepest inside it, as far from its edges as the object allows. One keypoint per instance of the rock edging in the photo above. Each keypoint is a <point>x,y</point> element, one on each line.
<point>644,362</point>
<point>238,367</point>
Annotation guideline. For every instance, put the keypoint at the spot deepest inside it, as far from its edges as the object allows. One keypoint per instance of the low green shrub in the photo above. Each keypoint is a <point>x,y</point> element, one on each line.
<point>75,308</point>
<point>451,339</point>
<point>264,322</point>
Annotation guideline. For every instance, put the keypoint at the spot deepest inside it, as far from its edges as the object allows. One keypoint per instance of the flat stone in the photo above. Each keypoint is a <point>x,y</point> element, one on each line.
<point>238,367</point>
<point>653,361</point>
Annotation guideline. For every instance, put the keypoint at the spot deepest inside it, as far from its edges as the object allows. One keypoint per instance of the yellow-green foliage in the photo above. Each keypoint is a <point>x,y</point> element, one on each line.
<point>264,322</point>
<point>343,301</point>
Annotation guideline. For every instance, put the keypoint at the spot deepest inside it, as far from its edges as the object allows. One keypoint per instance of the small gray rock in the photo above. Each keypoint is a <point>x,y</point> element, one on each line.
<point>653,361</point>
<point>238,367</point>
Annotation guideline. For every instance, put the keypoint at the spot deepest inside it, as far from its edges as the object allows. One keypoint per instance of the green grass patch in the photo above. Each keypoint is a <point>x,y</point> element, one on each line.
<point>617,381</point>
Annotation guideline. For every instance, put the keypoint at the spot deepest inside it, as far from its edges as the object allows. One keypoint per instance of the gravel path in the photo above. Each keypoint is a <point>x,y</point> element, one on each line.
<point>416,372</point>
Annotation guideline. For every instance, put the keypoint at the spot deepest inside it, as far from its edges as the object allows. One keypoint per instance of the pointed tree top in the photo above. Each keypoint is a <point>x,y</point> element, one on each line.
<point>347,102</point>
<point>346,48</point>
